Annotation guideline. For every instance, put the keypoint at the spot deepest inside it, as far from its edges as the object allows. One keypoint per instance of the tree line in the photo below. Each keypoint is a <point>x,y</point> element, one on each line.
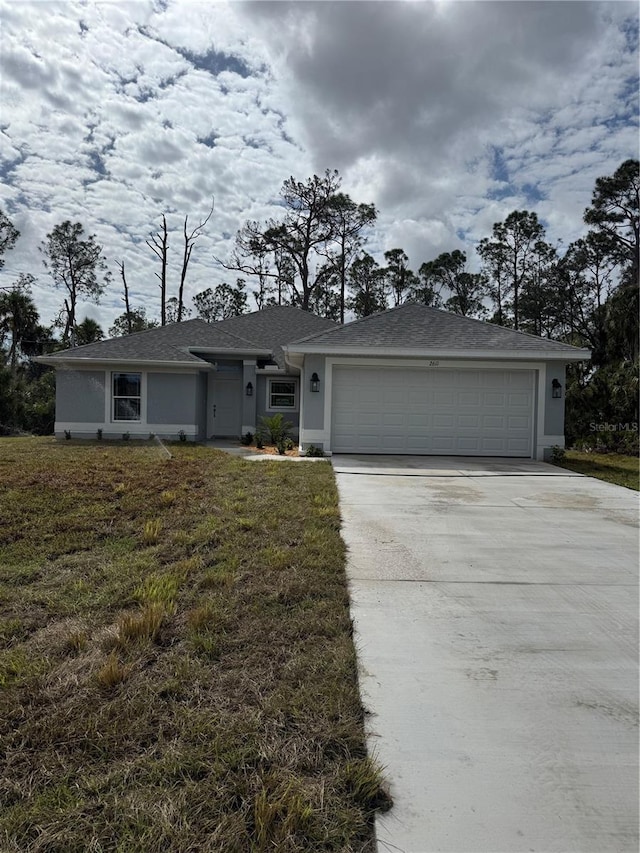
<point>313,255</point>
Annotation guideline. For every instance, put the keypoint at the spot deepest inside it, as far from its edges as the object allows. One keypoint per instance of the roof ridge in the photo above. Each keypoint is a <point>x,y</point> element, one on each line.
<point>354,322</point>
<point>431,308</point>
<point>230,334</point>
<point>489,323</point>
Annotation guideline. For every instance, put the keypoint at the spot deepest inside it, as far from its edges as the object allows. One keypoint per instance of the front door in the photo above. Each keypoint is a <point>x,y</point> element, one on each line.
<point>224,416</point>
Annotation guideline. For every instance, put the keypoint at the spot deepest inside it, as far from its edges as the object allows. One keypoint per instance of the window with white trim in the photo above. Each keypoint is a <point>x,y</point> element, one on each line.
<point>282,394</point>
<point>126,396</point>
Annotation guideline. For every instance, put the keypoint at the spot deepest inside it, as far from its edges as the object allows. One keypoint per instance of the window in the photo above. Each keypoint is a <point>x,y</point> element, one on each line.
<point>126,396</point>
<point>282,395</point>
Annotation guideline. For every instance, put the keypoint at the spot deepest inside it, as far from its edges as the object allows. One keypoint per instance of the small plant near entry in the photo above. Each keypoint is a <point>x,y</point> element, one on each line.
<point>247,439</point>
<point>275,428</point>
<point>557,454</point>
<point>67,434</point>
<point>99,435</point>
<point>126,436</point>
<point>315,452</point>
<point>182,435</point>
<point>259,441</point>
<point>151,532</point>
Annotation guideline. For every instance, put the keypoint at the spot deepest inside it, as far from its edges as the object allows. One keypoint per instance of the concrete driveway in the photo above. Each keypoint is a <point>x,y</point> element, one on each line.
<point>496,611</point>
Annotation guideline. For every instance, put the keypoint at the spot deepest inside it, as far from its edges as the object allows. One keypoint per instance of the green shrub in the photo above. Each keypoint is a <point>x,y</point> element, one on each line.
<point>247,439</point>
<point>275,429</point>
<point>314,451</point>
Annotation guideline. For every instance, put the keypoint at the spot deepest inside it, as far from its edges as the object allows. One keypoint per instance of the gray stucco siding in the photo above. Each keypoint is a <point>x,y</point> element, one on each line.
<point>80,396</point>
<point>173,398</point>
<point>314,400</point>
<point>554,407</point>
<point>201,406</point>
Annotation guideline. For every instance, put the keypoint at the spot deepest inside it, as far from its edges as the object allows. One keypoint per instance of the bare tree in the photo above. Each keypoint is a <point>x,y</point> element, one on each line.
<point>189,240</point>
<point>127,307</point>
<point>159,245</point>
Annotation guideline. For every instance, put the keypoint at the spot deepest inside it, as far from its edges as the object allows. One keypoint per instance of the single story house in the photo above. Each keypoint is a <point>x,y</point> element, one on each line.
<point>410,380</point>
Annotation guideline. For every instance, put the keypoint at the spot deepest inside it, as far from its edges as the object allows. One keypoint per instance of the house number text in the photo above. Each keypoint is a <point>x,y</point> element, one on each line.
<point>434,364</point>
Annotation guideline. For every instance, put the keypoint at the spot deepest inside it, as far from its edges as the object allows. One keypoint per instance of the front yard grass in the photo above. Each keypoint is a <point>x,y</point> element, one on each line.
<point>177,670</point>
<point>611,467</point>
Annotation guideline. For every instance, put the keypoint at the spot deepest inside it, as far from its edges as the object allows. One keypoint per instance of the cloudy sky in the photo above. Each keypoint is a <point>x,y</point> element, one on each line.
<point>447,115</point>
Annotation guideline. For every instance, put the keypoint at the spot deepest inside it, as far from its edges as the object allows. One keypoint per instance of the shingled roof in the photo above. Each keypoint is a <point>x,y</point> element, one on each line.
<point>418,327</point>
<point>272,328</point>
<point>262,333</point>
<point>163,343</point>
<point>409,328</point>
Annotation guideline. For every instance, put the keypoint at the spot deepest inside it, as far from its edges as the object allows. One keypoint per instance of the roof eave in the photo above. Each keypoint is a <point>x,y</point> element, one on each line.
<point>570,354</point>
<point>58,361</point>
<point>226,351</point>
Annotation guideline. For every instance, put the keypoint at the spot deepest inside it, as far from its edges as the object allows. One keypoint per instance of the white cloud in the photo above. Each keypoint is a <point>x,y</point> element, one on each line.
<point>446,115</point>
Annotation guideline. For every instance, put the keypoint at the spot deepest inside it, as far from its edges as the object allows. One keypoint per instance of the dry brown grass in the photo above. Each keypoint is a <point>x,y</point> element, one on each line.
<point>195,692</point>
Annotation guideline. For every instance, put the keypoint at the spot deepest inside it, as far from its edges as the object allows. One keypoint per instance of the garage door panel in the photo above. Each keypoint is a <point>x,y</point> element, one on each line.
<point>442,444</point>
<point>469,422</point>
<point>393,397</point>
<point>438,411</point>
<point>344,418</point>
<point>365,396</point>
<point>493,399</point>
<point>394,419</point>
<point>469,398</point>
<point>518,400</point>
<point>518,422</point>
<point>442,421</point>
<point>420,398</point>
<point>443,398</point>
<point>518,445</point>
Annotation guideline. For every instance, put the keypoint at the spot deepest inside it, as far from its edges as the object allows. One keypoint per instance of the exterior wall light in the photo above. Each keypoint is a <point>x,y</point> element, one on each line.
<point>315,382</point>
<point>556,389</point>
<point>249,389</point>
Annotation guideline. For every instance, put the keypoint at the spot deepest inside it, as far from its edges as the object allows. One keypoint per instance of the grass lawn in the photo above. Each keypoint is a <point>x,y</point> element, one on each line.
<point>177,671</point>
<point>612,467</point>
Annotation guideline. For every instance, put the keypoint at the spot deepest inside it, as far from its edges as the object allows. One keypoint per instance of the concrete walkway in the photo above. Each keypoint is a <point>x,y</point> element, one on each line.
<point>496,611</point>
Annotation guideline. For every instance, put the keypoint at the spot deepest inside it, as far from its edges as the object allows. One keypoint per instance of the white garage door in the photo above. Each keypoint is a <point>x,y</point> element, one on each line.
<point>432,411</point>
